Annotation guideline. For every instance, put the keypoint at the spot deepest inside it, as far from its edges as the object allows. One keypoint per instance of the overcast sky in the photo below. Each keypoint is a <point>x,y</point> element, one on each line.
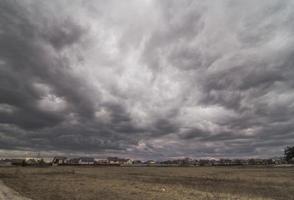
<point>147,78</point>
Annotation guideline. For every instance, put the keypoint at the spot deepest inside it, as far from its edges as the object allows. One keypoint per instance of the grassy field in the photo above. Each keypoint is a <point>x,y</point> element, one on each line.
<point>140,183</point>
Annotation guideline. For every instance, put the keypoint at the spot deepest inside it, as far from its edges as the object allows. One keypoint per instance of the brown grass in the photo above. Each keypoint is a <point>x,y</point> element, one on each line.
<point>70,183</point>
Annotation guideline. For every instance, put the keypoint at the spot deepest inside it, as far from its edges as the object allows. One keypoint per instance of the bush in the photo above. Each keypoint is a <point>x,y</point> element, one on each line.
<point>289,154</point>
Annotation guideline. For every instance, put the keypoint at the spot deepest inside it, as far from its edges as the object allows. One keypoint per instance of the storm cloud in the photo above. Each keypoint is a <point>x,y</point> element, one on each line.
<point>147,78</point>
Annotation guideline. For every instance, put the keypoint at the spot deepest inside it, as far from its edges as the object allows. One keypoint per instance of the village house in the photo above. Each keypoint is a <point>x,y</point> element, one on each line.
<point>101,161</point>
<point>119,161</point>
<point>86,161</point>
<point>150,162</point>
<point>59,160</point>
<point>73,161</point>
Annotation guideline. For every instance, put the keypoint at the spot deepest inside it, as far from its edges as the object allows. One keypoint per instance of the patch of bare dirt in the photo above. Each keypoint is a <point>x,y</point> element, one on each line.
<point>7,193</point>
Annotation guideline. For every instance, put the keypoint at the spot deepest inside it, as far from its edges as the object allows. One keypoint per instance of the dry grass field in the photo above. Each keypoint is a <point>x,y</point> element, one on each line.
<point>142,183</point>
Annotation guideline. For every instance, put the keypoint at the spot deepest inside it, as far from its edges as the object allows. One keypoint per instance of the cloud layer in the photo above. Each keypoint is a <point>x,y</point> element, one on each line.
<point>147,78</point>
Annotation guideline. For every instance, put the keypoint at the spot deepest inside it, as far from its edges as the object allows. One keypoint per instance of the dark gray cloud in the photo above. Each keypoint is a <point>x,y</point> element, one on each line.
<point>147,79</point>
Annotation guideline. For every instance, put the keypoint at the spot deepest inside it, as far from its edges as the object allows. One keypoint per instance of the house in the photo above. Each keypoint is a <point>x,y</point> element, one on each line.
<point>101,161</point>
<point>113,160</point>
<point>73,161</point>
<point>119,161</point>
<point>86,161</point>
<point>127,162</point>
<point>59,160</point>
<point>150,162</point>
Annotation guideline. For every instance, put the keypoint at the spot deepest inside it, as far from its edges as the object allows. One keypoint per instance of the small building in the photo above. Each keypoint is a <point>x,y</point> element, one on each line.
<point>59,160</point>
<point>73,161</point>
<point>119,161</point>
<point>113,160</point>
<point>86,161</point>
<point>129,161</point>
<point>150,162</point>
<point>101,161</point>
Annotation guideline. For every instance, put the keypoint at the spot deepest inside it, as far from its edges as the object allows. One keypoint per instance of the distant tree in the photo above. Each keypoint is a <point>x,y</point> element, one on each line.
<point>23,163</point>
<point>41,162</point>
<point>289,153</point>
